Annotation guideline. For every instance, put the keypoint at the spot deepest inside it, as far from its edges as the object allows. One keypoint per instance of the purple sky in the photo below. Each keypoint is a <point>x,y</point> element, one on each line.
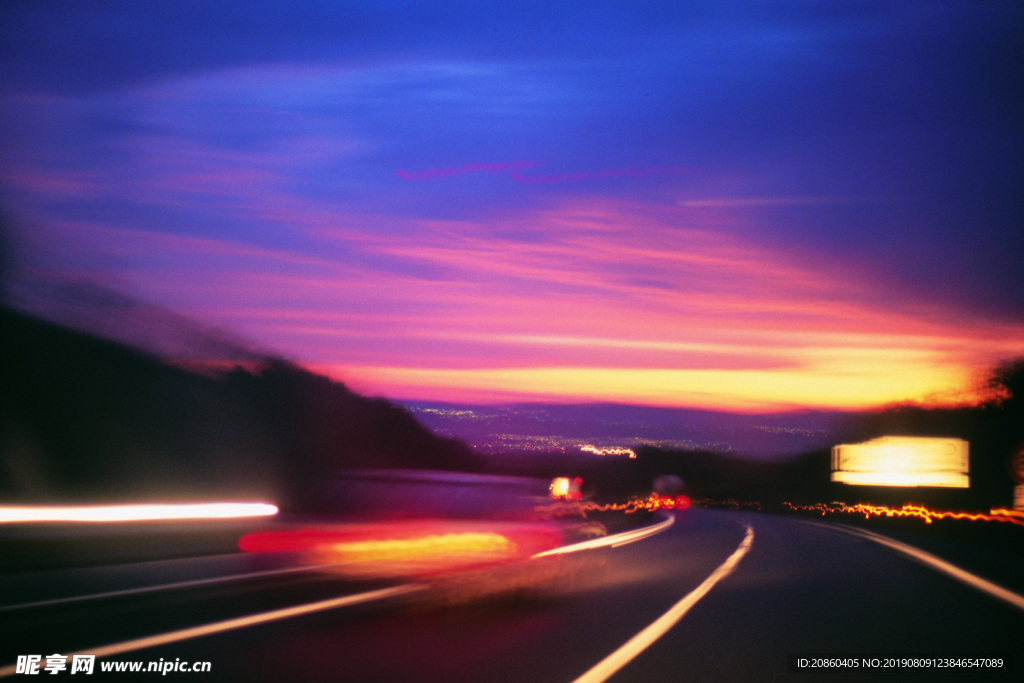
<point>729,205</point>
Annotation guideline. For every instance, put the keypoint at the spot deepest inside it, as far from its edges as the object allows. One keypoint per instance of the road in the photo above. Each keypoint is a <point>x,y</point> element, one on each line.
<point>791,588</point>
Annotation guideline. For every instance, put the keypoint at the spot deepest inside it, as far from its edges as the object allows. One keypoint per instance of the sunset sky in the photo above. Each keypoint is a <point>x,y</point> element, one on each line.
<point>733,205</point>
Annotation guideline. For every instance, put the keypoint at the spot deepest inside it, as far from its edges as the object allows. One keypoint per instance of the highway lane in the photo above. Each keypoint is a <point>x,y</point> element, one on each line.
<point>808,589</point>
<point>801,588</point>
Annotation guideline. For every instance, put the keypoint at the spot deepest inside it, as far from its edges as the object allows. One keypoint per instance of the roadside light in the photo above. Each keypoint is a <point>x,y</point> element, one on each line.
<point>564,488</point>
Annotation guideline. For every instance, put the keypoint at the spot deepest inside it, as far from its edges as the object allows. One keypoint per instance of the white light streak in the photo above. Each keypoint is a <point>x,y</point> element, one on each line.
<point>135,513</point>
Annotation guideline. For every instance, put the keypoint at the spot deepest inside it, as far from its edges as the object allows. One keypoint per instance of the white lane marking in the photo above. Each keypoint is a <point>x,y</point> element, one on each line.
<point>941,565</point>
<point>641,641</point>
<point>614,540</point>
<point>141,590</point>
<point>240,622</point>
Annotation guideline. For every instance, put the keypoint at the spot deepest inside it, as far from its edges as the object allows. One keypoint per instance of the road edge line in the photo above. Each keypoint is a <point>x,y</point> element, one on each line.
<point>942,566</point>
<point>611,664</point>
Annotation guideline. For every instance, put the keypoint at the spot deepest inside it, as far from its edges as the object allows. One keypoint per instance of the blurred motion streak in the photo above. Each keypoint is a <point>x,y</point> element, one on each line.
<point>430,549</point>
<point>406,549</point>
<point>910,510</point>
<point>135,513</point>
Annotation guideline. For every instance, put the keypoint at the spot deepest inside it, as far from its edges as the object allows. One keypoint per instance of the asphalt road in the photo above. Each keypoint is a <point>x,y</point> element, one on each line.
<point>795,590</point>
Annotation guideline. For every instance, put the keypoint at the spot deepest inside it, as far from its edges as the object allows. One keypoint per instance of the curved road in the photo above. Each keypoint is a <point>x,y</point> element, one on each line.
<point>784,589</point>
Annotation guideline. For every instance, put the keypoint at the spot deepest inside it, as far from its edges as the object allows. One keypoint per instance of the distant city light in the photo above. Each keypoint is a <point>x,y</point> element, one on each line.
<point>136,513</point>
<point>902,461</point>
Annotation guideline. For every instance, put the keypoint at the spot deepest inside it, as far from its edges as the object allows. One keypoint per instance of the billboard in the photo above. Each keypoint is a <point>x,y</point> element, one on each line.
<point>902,461</point>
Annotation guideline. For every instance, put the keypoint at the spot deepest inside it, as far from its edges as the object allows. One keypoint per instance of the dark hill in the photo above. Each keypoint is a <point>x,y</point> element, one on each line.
<point>86,419</point>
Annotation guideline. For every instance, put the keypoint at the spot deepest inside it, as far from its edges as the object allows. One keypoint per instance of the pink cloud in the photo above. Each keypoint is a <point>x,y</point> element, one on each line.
<point>59,184</point>
<point>746,202</point>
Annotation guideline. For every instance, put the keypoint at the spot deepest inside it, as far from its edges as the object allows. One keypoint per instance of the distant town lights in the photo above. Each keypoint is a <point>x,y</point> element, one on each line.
<point>587,448</point>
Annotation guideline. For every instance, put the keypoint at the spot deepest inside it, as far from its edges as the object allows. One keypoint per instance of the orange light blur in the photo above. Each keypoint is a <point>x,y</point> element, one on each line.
<point>564,488</point>
<point>136,513</point>
<point>911,510</point>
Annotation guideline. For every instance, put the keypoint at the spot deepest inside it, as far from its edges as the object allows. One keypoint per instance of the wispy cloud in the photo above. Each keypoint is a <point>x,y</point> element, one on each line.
<point>749,202</point>
<point>465,169</point>
<point>604,174</point>
<point>146,245</point>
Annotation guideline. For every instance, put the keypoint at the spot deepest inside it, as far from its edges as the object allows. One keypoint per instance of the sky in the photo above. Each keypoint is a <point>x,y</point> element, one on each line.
<point>732,205</point>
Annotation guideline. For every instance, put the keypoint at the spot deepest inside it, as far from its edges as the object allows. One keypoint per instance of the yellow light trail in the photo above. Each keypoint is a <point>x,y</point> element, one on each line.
<point>911,510</point>
<point>651,503</point>
<point>587,448</point>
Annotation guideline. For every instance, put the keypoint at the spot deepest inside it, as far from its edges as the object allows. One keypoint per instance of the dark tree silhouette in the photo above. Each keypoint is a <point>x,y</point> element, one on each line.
<point>1008,380</point>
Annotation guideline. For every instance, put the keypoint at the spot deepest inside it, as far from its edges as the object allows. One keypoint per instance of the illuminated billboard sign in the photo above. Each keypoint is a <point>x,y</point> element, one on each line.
<point>902,461</point>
